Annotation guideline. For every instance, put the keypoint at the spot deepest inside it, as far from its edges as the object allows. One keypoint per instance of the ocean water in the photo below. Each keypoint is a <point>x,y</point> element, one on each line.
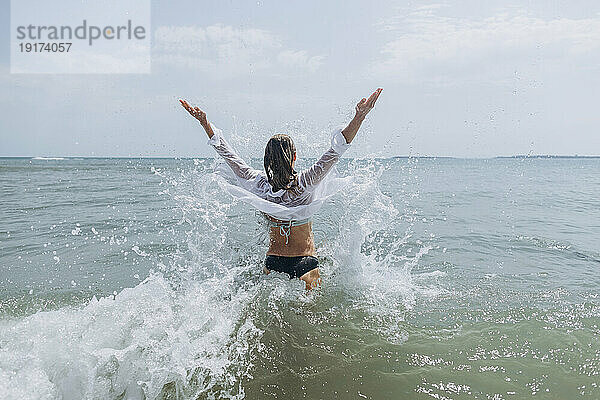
<point>442,279</point>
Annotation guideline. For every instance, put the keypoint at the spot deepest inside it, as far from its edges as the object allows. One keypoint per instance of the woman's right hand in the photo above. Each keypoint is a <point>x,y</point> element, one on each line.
<point>364,106</point>
<point>362,109</point>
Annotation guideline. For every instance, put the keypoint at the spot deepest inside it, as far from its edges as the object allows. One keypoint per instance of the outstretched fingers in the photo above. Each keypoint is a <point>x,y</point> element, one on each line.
<point>186,105</point>
<point>195,111</point>
<point>361,103</point>
<point>373,98</point>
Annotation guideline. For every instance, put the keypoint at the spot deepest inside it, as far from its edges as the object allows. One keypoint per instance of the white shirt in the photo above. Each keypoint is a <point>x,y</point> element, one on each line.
<point>315,184</point>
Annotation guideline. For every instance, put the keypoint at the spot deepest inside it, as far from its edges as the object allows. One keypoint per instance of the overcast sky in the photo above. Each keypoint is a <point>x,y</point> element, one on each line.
<point>463,78</point>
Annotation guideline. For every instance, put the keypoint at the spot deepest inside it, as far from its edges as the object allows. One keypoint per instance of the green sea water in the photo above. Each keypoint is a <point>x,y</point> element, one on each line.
<point>442,279</point>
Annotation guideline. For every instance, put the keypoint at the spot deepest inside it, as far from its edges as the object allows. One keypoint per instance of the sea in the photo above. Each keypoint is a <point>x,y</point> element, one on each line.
<point>442,278</point>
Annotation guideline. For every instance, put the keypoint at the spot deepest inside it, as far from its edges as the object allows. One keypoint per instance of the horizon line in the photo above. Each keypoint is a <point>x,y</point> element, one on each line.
<point>515,156</point>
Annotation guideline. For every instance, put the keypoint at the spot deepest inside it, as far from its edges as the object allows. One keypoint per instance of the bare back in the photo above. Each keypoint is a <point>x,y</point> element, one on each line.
<point>300,241</point>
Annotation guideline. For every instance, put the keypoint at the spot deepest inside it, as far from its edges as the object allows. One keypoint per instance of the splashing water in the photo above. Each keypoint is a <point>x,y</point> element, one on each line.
<point>197,324</point>
<point>433,286</point>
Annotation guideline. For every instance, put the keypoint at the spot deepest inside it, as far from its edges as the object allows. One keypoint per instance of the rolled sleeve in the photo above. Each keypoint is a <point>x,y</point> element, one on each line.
<point>215,140</point>
<point>338,142</point>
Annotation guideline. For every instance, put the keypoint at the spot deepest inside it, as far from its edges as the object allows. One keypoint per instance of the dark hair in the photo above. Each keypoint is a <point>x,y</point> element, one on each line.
<point>279,156</point>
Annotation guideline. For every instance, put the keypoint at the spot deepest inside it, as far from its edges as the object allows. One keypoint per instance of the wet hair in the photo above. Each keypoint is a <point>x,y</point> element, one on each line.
<point>279,156</point>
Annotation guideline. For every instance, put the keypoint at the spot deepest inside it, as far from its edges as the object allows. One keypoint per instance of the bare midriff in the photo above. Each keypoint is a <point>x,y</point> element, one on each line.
<point>300,242</point>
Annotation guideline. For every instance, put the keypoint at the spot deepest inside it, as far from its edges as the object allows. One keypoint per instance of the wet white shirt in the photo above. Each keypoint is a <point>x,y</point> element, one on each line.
<point>315,184</point>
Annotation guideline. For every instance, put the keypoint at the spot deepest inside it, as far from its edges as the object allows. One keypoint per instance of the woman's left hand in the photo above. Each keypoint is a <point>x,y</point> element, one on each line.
<point>199,115</point>
<point>195,112</point>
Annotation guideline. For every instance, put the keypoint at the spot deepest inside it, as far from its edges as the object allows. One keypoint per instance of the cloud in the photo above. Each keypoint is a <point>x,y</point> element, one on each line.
<point>300,59</point>
<point>226,51</point>
<point>427,45</point>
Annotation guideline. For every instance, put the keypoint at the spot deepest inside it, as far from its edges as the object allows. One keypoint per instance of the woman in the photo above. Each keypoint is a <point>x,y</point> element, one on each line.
<point>287,198</point>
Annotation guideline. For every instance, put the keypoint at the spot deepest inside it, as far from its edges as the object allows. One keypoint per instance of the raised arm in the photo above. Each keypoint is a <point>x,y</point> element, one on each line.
<point>216,139</point>
<point>362,109</point>
<point>339,143</point>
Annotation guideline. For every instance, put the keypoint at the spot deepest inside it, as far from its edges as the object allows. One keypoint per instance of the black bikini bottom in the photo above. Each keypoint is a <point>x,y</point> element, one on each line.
<point>295,267</point>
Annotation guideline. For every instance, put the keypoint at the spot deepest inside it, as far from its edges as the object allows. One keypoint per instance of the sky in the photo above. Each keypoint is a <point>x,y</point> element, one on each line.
<point>462,79</point>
